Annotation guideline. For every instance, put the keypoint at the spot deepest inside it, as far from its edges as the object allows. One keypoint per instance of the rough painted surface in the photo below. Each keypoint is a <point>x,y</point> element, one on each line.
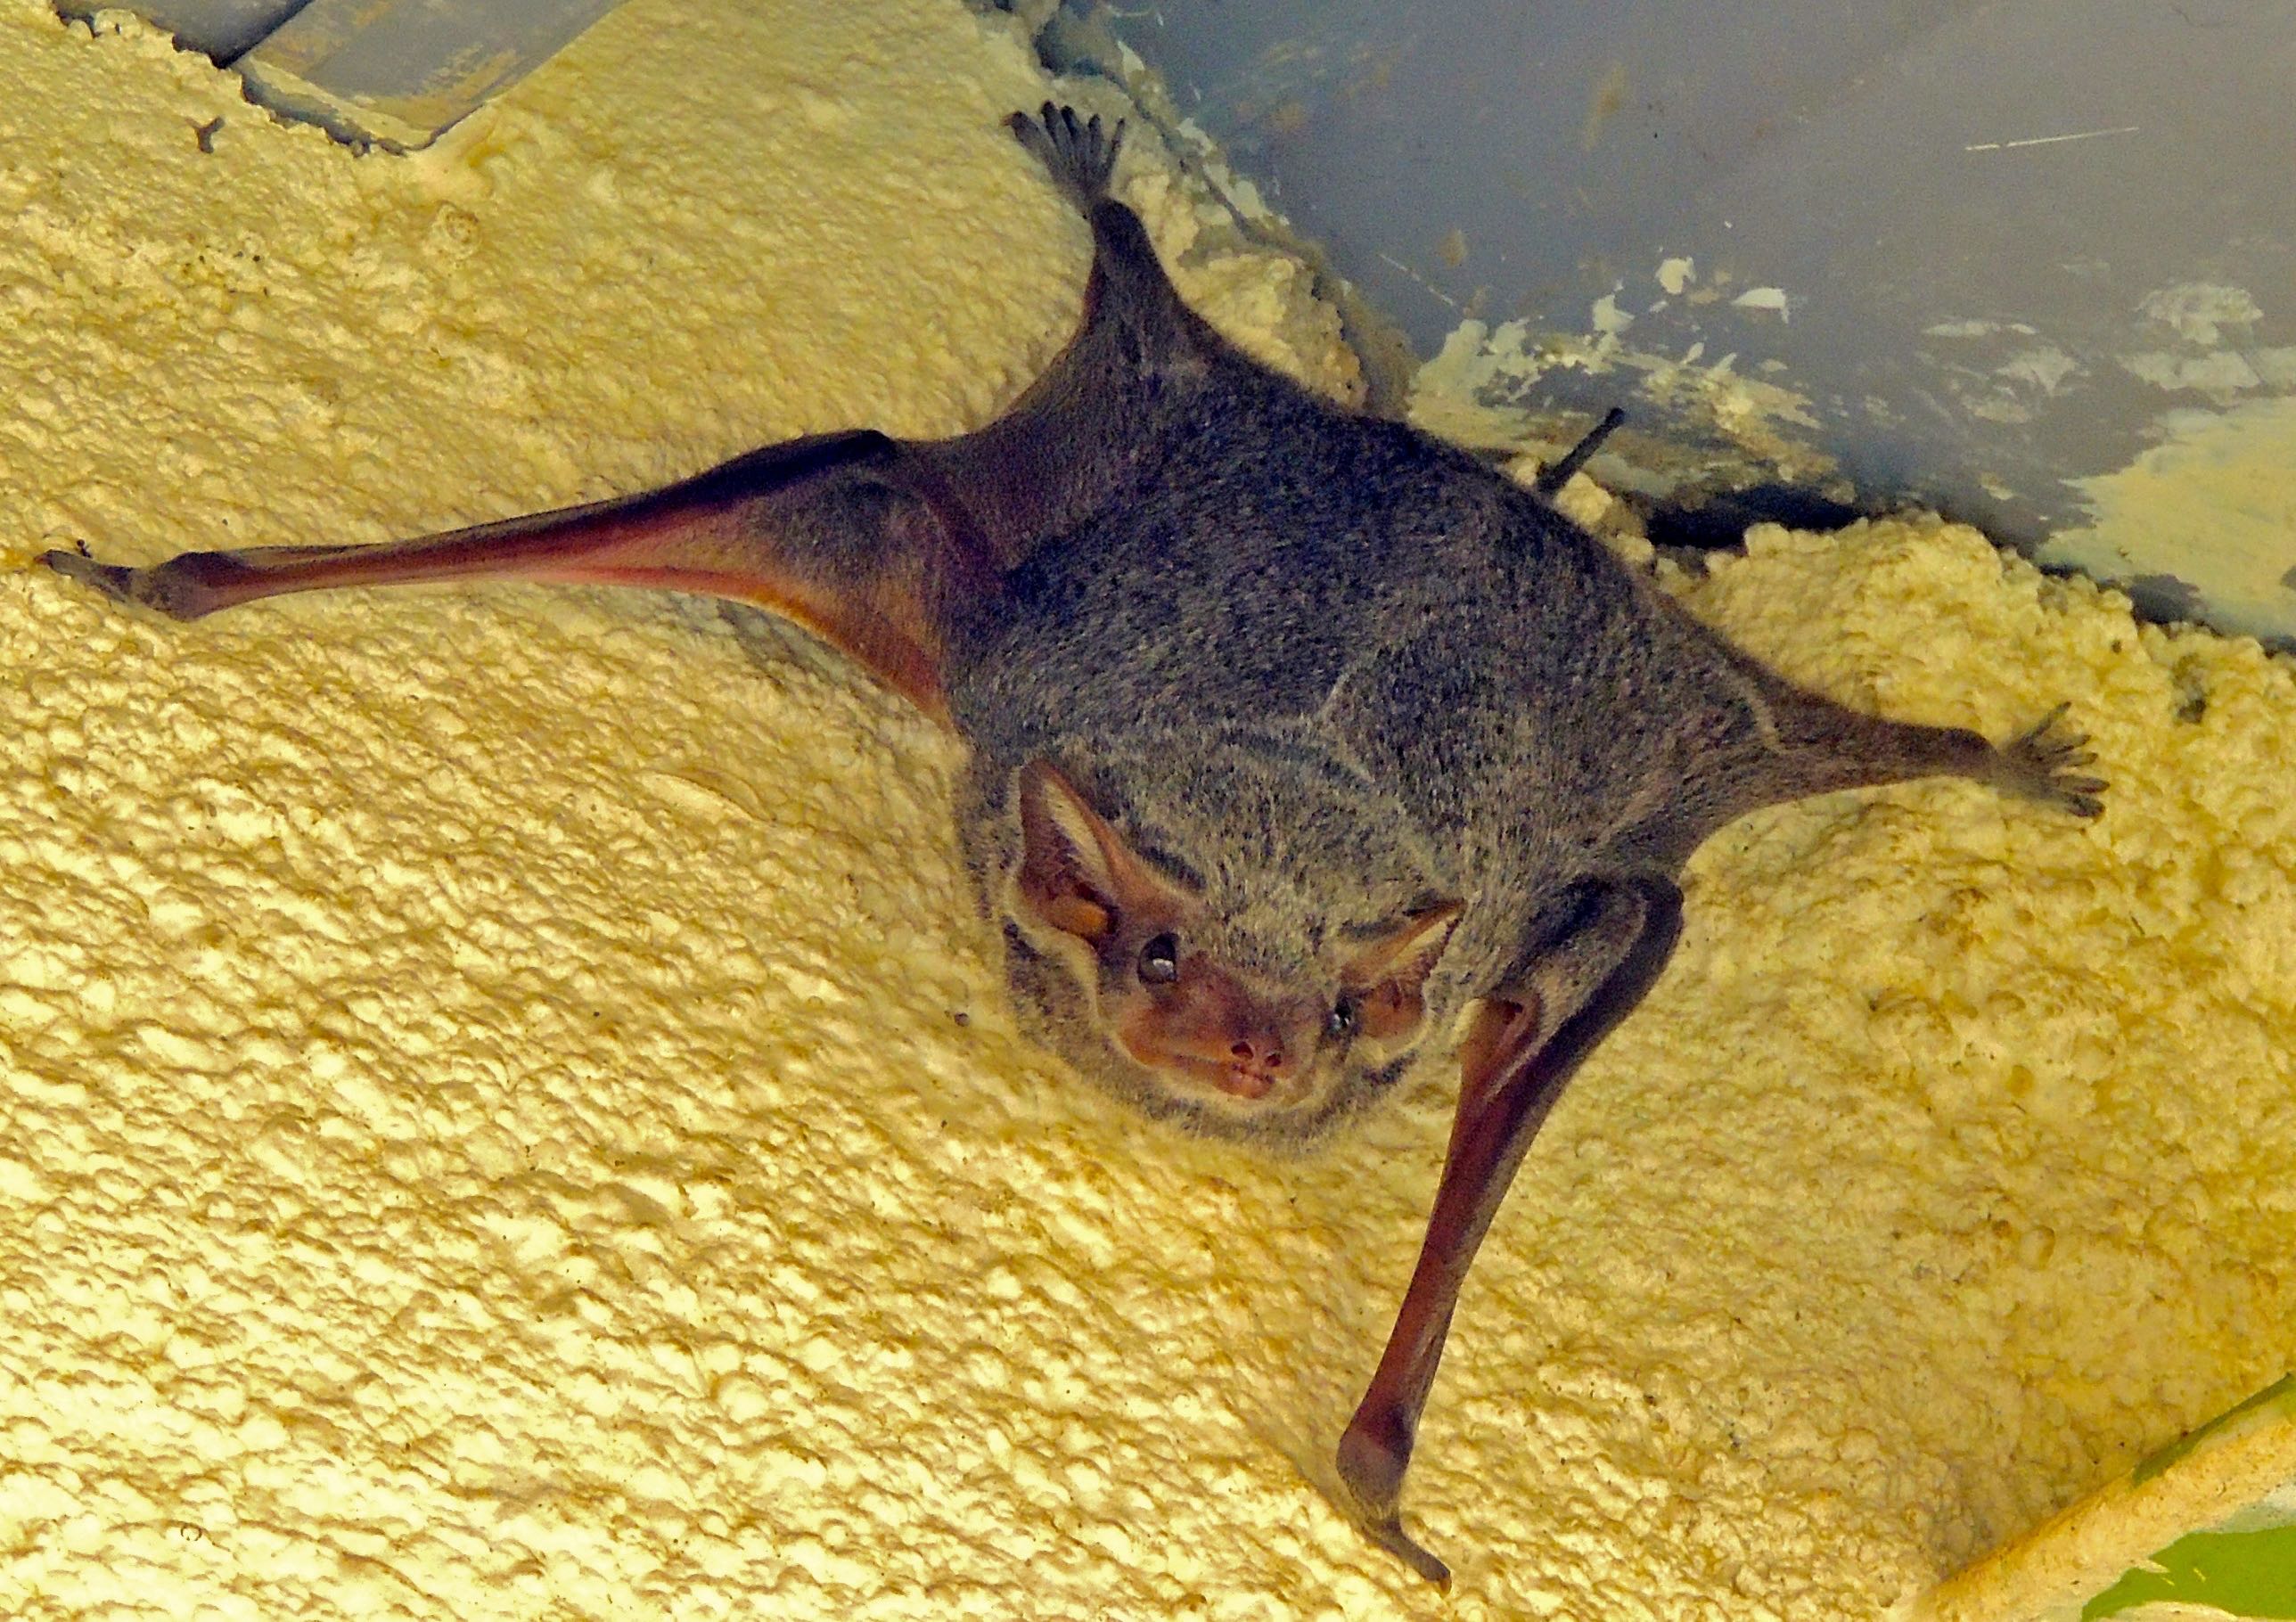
<point>505,1112</point>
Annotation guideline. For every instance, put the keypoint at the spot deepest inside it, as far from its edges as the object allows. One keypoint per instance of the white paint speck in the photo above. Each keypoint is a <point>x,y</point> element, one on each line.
<point>1975,328</point>
<point>2083,135</point>
<point>1765,298</point>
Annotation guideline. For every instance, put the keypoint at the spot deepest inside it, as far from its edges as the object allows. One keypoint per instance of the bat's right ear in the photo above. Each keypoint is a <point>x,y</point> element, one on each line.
<point>1387,974</point>
<point>1077,874</point>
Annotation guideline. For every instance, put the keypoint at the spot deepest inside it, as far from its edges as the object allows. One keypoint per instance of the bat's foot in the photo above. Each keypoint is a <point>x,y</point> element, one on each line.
<point>2045,764</point>
<point>175,588</point>
<point>1370,1474</point>
<point>1080,155</point>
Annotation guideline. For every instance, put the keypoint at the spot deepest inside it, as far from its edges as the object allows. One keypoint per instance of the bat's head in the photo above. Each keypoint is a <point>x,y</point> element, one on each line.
<point>1242,985</point>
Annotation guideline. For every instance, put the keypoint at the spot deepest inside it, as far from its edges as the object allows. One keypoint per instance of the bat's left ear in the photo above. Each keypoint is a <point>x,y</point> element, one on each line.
<point>1387,976</point>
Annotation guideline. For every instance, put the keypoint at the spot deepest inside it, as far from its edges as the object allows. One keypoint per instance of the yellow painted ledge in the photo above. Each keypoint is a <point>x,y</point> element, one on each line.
<point>2230,1482</point>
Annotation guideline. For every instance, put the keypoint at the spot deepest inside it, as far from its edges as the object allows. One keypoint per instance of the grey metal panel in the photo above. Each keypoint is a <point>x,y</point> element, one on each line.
<point>398,72</point>
<point>222,29</point>
<point>1978,211</point>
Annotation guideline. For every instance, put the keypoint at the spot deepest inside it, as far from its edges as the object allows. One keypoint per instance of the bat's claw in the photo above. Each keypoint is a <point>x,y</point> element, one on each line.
<point>2044,764</point>
<point>182,588</point>
<point>111,579</point>
<point>1371,1475</point>
<point>1389,1535</point>
<point>1077,152</point>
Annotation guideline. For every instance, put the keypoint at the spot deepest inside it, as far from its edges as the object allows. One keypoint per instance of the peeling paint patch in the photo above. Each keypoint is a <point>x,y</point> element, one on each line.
<point>1482,388</point>
<point>2220,372</point>
<point>2199,311</point>
<point>2215,359</point>
<point>2212,507</point>
<point>2043,368</point>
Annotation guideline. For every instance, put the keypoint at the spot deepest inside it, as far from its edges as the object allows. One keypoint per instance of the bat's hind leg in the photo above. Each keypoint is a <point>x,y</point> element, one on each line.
<point>1064,448</point>
<point>1129,286</point>
<point>1078,153</point>
<point>1826,747</point>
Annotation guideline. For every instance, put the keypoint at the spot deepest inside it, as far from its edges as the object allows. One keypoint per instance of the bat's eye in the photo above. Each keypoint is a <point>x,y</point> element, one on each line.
<point>1159,960</point>
<point>1345,1016</point>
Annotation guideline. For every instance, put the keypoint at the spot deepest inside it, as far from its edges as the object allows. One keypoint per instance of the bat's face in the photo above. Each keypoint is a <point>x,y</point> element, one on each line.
<point>1246,1020</point>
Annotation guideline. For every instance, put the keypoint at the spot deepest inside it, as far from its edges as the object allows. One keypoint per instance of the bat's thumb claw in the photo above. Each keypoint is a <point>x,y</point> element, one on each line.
<point>1389,1535</point>
<point>110,578</point>
<point>1373,1458</point>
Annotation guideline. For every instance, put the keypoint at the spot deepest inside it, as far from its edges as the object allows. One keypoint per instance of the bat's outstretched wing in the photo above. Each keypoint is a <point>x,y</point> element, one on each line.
<point>880,545</point>
<point>850,535</point>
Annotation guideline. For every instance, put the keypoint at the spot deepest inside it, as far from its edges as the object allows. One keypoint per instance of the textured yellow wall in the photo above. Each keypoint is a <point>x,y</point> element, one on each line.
<point>507,1111</point>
